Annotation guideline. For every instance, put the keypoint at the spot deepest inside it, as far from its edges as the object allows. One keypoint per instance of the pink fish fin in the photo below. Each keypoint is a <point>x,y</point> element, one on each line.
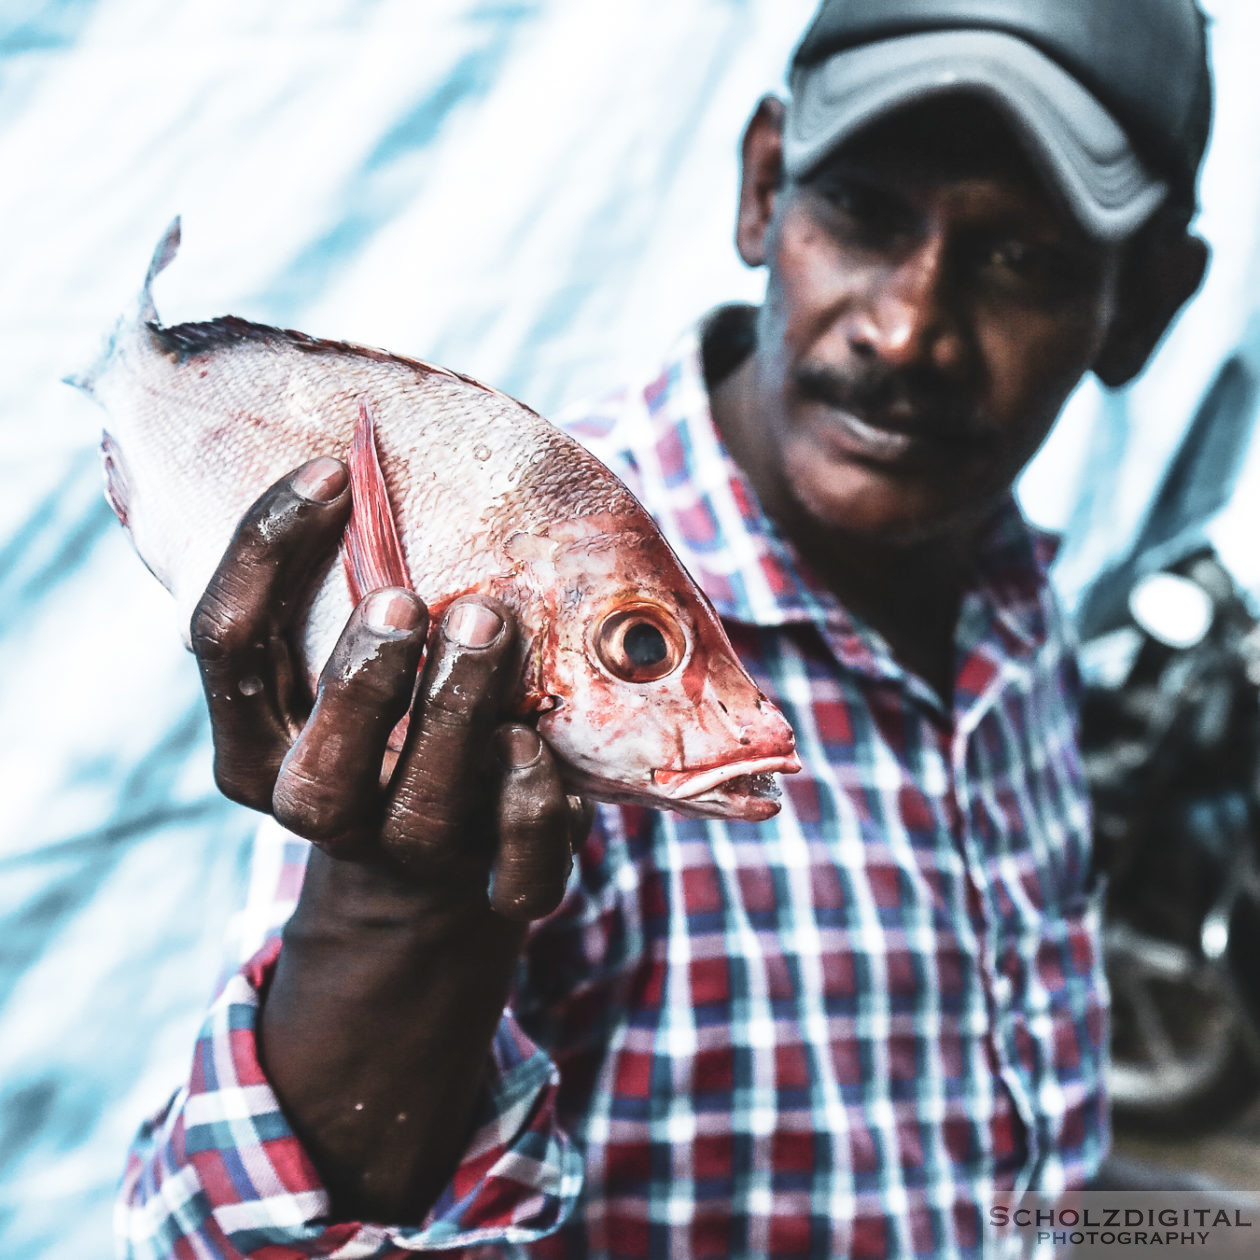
<point>398,736</point>
<point>370,551</point>
<point>117,488</point>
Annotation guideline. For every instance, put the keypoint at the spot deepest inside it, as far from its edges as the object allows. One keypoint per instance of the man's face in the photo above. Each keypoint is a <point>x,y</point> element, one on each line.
<point>929,309</point>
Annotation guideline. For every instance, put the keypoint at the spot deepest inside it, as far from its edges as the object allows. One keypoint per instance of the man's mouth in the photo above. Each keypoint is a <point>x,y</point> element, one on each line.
<point>887,419</point>
<point>847,434</point>
<point>887,441</point>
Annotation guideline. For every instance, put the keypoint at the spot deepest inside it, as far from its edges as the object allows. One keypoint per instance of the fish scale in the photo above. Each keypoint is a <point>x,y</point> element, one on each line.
<point>622,663</point>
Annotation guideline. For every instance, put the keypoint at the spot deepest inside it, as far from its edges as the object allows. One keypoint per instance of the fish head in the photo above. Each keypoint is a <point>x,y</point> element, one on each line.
<point>646,700</point>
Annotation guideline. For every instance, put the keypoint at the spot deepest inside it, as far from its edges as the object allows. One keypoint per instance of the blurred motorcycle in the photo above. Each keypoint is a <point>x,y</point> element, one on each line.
<point>1171,743</point>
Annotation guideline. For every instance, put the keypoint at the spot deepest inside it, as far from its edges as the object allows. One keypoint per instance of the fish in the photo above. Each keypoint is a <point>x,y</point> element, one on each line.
<point>622,664</point>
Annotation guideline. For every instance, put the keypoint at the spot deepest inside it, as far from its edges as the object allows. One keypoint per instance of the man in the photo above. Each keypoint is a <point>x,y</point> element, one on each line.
<point>838,1033</point>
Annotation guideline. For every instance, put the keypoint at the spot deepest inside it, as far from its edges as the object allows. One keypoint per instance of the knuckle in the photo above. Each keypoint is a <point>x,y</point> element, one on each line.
<point>308,807</point>
<point>440,863</point>
<point>454,705</point>
<point>537,813</point>
<point>534,802</point>
<point>369,686</point>
<point>240,787</point>
<point>465,686</point>
<point>219,627</point>
<point>423,814</point>
<point>448,757</point>
<point>210,628</point>
<point>346,845</point>
<point>418,859</point>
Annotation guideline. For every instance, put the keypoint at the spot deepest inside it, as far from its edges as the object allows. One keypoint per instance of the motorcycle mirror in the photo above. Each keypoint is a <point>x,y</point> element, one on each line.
<point>1174,610</point>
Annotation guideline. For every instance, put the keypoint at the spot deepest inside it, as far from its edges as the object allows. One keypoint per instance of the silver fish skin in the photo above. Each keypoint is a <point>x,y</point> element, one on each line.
<point>623,664</point>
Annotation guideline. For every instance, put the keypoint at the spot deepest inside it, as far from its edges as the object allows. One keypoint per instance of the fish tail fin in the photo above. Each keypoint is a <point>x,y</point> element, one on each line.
<point>84,380</point>
<point>144,312</point>
<point>370,551</point>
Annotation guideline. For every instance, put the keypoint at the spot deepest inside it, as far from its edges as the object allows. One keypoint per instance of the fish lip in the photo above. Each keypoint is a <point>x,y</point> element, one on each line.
<point>729,807</point>
<point>683,785</point>
<point>715,802</point>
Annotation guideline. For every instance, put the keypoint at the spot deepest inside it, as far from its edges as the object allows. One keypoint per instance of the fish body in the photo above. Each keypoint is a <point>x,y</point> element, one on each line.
<point>623,665</point>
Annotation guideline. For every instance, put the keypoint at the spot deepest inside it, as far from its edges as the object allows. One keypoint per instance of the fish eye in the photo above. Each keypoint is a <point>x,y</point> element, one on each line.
<point>640,643</point>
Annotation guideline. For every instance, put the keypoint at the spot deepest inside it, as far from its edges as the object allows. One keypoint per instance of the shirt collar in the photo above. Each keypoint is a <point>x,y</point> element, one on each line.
<point>708,510</point>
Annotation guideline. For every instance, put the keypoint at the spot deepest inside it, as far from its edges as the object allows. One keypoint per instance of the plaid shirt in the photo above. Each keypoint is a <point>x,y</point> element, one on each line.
<point>841,1032</point>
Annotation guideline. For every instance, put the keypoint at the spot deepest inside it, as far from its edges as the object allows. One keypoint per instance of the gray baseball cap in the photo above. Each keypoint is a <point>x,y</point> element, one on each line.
<point>1112,98</point>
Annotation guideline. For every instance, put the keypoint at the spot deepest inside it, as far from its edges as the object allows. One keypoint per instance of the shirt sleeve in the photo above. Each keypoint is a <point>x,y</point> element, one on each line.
<point>220,1173</point>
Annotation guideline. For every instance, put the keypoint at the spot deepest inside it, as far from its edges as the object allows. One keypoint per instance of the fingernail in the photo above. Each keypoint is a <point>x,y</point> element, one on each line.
<point>520,746</point>
<point>321,480</point>
<point>473,625</point>
<point>391,610</point>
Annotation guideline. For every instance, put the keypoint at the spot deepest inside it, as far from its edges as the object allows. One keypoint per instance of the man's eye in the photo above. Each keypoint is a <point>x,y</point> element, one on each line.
<point>1018,258</point>
<point>858,211</point>
<point>846,198</point>
<point>1021,267</point>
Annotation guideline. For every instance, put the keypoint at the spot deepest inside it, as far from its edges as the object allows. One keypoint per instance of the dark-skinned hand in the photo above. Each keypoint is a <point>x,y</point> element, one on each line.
<point>428,865</point>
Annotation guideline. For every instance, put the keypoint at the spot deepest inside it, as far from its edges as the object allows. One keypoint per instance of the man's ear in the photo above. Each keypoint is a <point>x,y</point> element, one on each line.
<point>1160,274</point>
<point>761,177</point>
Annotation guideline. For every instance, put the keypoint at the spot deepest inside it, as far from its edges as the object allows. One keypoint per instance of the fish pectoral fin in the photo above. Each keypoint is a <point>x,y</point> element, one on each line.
<point>370,551</point>
<point>117,487</point>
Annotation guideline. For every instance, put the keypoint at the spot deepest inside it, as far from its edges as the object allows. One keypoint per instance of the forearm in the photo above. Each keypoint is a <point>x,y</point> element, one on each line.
<point>375,1033</point>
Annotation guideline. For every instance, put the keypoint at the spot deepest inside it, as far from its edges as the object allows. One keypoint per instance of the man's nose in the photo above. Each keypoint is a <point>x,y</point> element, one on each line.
<point>910,319</point>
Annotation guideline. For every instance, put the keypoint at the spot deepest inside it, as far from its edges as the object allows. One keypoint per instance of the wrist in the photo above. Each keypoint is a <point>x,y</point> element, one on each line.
<point>383,1005</point>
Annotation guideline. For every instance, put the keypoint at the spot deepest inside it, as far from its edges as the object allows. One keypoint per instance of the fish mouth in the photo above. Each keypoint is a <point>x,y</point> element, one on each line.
<point>738,789</point>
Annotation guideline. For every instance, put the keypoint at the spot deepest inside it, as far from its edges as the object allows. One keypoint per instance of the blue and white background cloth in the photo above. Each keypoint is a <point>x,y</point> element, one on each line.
<point>539,192</point>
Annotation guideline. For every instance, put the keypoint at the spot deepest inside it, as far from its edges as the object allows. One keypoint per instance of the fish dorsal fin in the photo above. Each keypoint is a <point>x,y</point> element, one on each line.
<point>141,314</point>
<point>371,553</point>
<point>162,258</point>
<point>186,340</point>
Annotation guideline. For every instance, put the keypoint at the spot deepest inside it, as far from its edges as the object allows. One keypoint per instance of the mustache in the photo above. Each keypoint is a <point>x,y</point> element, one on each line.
<point>906,401</point>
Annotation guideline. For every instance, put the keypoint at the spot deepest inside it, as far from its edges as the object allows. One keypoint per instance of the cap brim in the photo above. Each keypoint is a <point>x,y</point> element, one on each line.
<point>1077,143</point>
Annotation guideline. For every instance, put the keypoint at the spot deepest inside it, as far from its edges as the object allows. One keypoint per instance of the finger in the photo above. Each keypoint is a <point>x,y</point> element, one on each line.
<point>535,824</point>
<point>237,629</point>
<point>329,786</point>
<point>442,774</point>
